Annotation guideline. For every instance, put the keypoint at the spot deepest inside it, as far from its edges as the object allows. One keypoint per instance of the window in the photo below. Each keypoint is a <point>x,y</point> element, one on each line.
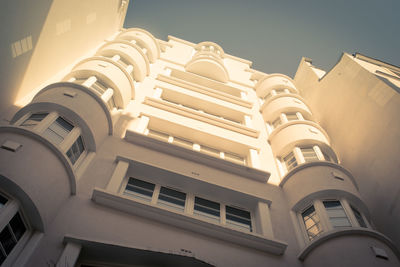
<point>309,154</point>
<point>171,198</point>
<point>337,215</point>
<point>290,161</point>
<point>13,231</point>
<point>238,218</point>
<point>276,122</point>
<point>76,150</point>
<point>359,217</point>
<point>139,189</point>
<point>58,130</point>
<point>34,120</point>
<point>311,222</point>
<point>206,208</point>
<point>291,116</point>
<point>10,236</point>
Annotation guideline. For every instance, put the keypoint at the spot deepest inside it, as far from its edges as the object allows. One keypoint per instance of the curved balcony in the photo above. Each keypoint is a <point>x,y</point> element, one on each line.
<point>45,179</point>
<point>111,73</point>
<point>133,55</point>
<point>274,82</point>
<point>351,247</point>
<point>299,132</point>
<point>207,62</point>
<point>319,179</point>
<point>83,110</point>
<point>284,103</point>
<point>143,39</point>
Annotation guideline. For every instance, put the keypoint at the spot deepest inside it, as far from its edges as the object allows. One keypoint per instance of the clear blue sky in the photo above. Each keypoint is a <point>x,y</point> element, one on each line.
<point>274,35</point>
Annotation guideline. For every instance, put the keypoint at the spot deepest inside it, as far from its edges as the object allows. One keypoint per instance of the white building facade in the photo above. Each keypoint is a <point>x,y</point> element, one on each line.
<point>144,152</point>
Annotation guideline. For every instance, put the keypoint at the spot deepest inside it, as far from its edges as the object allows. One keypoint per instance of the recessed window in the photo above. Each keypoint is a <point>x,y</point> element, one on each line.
<point>58,130</point>
<point>290,161</point>
<point>309,154</point>
<point>238,218</point>
<point>3,201</point>
<point>139,189</point>
<point>291,116</point>
<point>337,215</point>
<point>171,198</point>
<point>312,223</point>
<point>207,209</point>
<point>276,123</point>
<point>359,217</point>
<point>76,150</point>
<point>34,119</point>
<point>10,236</point>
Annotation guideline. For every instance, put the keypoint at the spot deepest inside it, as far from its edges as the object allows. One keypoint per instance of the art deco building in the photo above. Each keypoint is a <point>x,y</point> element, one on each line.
<point>120,149</point>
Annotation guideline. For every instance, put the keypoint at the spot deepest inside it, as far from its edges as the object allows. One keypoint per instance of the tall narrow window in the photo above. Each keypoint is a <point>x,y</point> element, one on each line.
<point>290,161</point>
<point>336,214</point>
<point>58,130</point>
<point>76,150</point>
<point>238,218</point>
<point>206,209</point>
<point>311,222</point>
<point>34,119</point>
<point>171,198</point>
<point>139,189</point>
<point>359,217</point>
<point>309,154</point>
<point>10,236</point>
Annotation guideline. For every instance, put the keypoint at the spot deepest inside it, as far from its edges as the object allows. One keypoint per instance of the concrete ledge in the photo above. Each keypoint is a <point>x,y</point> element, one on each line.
<point>218,163</point>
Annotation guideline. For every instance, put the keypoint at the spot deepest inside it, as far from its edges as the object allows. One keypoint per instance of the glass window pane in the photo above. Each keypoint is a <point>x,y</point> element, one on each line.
<point>34,119</point>
<point>17,226</point>
<point>238,218</point>
<point>7,240</point>
<point>336,214</point>
<point>311,222</point>
<point>291,116</point>
<point>58,130</point>
<point>309,154</point>
<point>3,200</point>
<point>76,150</point>
<point>172,198</point>
<point>139,189</point>
<point>359,217</point>
<point>206,208</point>
<point>290,161</point>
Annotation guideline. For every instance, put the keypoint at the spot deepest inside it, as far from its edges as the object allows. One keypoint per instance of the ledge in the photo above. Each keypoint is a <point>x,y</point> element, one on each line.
<point>317,163</point>
<point>188,222</point>
<point>296,122</point>
<point>218,163</point>
<point>272,98</point>
<point>205,90</point>
<point>325,237</point>
<point>207,118</point>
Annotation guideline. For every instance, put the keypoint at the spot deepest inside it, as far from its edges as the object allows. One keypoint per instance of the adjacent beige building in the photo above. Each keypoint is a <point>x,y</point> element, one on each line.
<point>121,149</point>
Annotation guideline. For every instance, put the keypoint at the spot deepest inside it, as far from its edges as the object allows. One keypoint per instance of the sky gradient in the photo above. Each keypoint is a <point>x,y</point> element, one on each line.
<point>274,35</point>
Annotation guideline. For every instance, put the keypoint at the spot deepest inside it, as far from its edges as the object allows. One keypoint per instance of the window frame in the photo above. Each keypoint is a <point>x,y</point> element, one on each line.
<point>326,225</point>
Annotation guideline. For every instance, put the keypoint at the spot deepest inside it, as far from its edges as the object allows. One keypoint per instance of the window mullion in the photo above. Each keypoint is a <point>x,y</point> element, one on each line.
<point>323,216</point>
<point>156,193</point>
<point>46,122</point>
<point>8,212</point>
<point>70,139</point>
